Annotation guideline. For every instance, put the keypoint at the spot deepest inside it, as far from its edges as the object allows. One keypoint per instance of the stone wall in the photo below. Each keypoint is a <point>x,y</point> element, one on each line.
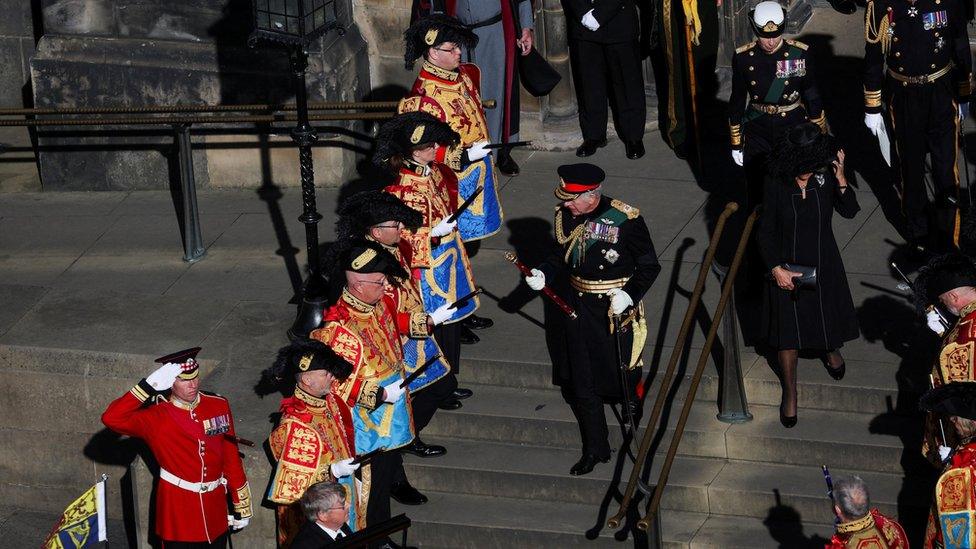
<point>16,48</point>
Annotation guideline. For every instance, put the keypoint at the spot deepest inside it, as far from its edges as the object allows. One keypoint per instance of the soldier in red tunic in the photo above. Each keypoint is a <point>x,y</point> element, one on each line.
<point>191,435</point>
<point>860,526</point>
<point>951,524</point>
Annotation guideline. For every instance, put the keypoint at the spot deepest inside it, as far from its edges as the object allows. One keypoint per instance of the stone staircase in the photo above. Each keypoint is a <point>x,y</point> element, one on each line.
<point>505,481</point>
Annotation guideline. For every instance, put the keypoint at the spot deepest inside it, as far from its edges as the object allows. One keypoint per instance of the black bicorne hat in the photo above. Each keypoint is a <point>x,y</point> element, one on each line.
<point>955,399</point>
<point>941,274</point>
<point>365,209</point>
<point>365,256</point>
<point>405,132</point>
<point>305,355</point>
<point>432,31</point>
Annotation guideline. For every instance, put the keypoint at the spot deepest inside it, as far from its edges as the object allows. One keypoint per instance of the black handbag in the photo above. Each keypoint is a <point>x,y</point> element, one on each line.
<point>537,75</point>
<point>808,276</point>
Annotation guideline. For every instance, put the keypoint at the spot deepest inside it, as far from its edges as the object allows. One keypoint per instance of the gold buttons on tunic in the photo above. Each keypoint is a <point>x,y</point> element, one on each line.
<point>753,83</point>
<point>752,68</point>
<point>786,82</point>
<point>897,54</point>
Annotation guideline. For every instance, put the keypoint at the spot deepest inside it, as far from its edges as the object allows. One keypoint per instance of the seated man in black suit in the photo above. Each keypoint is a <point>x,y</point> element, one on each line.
<point>327,509</point>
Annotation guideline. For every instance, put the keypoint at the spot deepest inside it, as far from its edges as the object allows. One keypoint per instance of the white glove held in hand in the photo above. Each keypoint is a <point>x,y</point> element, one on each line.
<point>443,228</point>
<point>343,468</point>
<point>164,376</point>
<point>477,151</point>
<point>537,281</point>
<point>873,122</point>
<point>619,301</point>
<point>393,392</point>
<point>237,524</point>
<point>590,22</point>
<point>737,157</point>
<point>934,322</point>
<point>442,313</point>
<point>944,452</point>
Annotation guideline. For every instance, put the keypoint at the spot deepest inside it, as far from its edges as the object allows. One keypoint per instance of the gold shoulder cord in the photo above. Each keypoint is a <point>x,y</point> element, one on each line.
<point>876,32</point>
<point>563,238</point>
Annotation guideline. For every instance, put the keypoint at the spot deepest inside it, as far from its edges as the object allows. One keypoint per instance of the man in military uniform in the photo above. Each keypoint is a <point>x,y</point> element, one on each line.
<point>950,281</point>
<point>610,259</point>
<point>919,51</point>
<point>952,523</point>
<point>191,435</point>
<point>314,440</point>
<point>858,525</point>
<point>362,328</point>
<point>772,91</point>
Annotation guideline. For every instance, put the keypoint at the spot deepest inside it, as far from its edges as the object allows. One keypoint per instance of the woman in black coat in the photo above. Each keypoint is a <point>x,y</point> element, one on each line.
<point>805,185</point>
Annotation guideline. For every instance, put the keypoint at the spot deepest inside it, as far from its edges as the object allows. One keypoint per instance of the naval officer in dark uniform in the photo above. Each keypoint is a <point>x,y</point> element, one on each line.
<point>918,53</point>
<point>610,261</point>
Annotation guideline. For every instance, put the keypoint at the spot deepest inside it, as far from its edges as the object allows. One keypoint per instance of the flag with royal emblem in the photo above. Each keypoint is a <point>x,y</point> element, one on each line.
<point>83,522</point>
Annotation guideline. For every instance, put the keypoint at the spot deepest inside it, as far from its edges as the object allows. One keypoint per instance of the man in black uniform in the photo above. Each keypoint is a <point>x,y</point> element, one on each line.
<point>923,46</point>
<point>774,77</point>
<point>604,52</point>
<point>610,259</point>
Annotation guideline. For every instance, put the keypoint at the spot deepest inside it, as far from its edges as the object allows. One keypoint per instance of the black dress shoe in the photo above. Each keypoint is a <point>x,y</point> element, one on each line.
<point>589,147</point>
<point>450,404</point>
<point>406,494</point>
<point>787,421</point>
<point>838,372</point>
<point>846,7</point>
<point>635,149</point>
<point>635,409</point>
<point>461,393</point>
<point>468,337</point>
<point>506,164</point>
<point>586,464</point>
<point>421,449</point>
<point>475,322</point>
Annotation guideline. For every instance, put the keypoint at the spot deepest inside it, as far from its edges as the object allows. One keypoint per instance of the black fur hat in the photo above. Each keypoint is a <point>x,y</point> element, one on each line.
<point>365,209</point>
<point>432,31</point>
<point>407,131</point>
<point>955,399</point>
<point>362,256</point>
<point>805,149</point>
<point>941,274</point>
<point>304,355</point>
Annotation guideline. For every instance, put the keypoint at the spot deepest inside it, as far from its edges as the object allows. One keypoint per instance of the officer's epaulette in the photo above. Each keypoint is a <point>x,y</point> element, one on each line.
<point>797,44</point>
<point>211,394</point>
<point>631,211</point>
<point>747,47</point>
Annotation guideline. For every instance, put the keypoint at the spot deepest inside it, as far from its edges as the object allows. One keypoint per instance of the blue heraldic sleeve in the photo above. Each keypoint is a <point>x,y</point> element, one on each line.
<point>447,280</point>
<point>388,426</point>
<point>484,217</point>
<point>416,352</point>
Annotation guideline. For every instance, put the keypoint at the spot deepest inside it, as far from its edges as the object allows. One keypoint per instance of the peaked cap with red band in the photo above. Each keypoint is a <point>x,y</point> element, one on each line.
<point>576,179</point>
<point>187,359</point>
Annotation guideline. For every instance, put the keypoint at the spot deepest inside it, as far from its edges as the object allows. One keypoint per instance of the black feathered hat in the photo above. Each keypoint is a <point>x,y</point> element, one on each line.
<point>366,256</point>
<point>955,399</point>
<point>432,31</point>
<point>805,149</point>
<point>941,274</point>
<point>365,209</point>
<point>405,132</point>
<point>305,355</point>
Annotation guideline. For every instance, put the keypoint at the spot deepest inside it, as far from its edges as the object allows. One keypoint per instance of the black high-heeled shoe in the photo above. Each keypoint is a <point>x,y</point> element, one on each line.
<point>838,372</point>
<point>787,421</point>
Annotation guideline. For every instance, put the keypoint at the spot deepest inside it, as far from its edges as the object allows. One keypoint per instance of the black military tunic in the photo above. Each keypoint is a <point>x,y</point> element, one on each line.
<point>609,247</point>
<point>919,53</point>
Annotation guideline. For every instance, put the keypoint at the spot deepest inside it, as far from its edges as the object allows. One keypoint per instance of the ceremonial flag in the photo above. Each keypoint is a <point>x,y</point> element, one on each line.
<point>83,522</point>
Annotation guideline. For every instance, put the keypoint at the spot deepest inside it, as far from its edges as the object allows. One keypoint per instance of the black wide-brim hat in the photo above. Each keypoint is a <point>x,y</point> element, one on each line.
<point>432,31</point>
<point>407,131</point>
<point>306,355</point>
<point>804,149</point>
<point>366,209</point>
<point>954,399</point>
<point>942,274</point>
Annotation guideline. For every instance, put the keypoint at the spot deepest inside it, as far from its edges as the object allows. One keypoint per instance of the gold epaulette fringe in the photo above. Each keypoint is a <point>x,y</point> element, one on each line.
<point>876,33</point>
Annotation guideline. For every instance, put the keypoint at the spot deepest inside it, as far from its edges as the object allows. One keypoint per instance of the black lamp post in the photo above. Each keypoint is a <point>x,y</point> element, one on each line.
<point>296,23</point>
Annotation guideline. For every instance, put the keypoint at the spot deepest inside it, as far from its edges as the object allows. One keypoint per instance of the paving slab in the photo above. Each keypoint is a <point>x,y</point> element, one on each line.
<point>227,275</point>
<point>17,300</point>
<point>157,234</point>
<point>30,237</point>
<point>60,204</point>
<point>132,273</point>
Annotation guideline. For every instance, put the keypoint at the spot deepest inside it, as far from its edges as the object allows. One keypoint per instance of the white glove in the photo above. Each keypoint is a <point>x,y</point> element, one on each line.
<point>237,524</point>
<point>873,122</point>
<point>944,452</point>
<point>343,468</point>
<point>590,22</point>
<point>393,392</point>
<point>737,157</point>
<point>934,322</point>
<point>443,228</point>
<point>442,313</point>
<point>537,281</point>
<point>164,376</point>
<point>477,151</point>
<point>619,301</point>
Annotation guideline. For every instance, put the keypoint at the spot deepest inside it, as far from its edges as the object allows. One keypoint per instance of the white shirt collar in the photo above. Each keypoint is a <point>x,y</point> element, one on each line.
<point>334,534</point>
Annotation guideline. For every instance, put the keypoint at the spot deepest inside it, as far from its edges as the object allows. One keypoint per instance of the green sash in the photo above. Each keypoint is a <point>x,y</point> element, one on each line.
<point>612,217</point>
